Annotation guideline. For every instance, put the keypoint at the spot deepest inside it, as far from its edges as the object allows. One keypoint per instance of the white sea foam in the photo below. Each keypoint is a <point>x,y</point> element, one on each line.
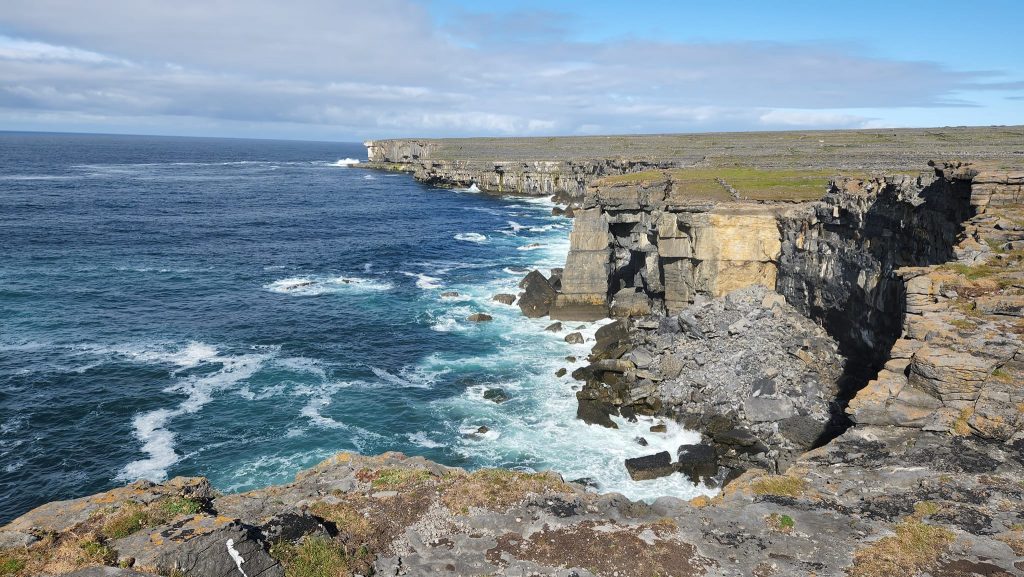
<point>320,285</point>
<point>446,325</point>
<point>531,246</point>
<point>369,177</point>
<point>423,281</point>
<point>346,162</point>
<point>422,439</point>
<point>471,237</point>
<point>152,427</point>
<point>473,188</point>
<point>409,377</point>
<point>515,226</point>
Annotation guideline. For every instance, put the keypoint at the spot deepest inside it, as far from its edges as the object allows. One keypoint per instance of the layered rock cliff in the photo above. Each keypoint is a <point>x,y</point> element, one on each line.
<point>871,250</point>
<point>567,179</point>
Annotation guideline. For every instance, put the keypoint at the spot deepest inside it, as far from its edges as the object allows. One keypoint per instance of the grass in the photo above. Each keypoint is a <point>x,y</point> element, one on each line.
<point>960,425</point>
<point>1002,375</point>
<point>750,183</point>
<point>311,557</point>
<point>963,324</point>
<point>345,517</point>
<point>399,478</point>
<point>132,517</point>
<point>915,547</point>
<point>10,566</point>
<point>498,489</point>
<point>780,522</point>
<point>978,271</point>
<point>780,485</point>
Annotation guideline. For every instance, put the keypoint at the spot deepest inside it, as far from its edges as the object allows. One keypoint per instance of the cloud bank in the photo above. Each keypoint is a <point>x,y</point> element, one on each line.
<point>345,70</point>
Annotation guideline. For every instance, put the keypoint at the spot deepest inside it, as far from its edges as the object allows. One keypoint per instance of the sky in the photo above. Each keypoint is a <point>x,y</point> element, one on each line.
<point>342,70</point>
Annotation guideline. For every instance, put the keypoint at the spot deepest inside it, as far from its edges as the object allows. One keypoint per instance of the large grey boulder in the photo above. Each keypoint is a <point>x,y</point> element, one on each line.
<point>537,296</point>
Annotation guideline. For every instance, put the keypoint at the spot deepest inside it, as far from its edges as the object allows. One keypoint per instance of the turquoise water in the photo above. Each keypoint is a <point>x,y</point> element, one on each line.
<point>243,309</point>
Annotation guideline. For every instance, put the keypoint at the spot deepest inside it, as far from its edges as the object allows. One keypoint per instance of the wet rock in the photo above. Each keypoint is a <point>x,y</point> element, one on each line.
<point>449,294</point>
<point>561,372</point>
<point>595,413</point>
<point>479,318</point>
<point>496,395</point>
<point>698,462</point>
<point>650,466</point>
<point>537,296</point>
<point>554,327</point>
<point>641,441</point>
<point>659,428</point>
<point>574,338</point>
<point>504,298</point>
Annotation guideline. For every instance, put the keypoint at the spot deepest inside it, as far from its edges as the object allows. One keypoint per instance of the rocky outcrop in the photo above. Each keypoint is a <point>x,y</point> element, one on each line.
<point>873,259</point>
<point>566,179</point>
<point>875,502</point>
<point>749,371</point>
<point>958,366</point>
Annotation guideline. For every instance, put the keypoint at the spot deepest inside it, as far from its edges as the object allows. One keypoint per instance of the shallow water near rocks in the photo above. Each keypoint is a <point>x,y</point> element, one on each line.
<point>243,309</point>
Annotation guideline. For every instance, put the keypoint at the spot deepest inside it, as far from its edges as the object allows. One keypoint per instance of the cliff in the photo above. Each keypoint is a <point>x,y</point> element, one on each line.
<point>565,166</point>
<point>850,347</point>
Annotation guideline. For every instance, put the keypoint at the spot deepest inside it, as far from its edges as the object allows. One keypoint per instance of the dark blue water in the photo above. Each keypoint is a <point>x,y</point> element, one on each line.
<point>243,309</point>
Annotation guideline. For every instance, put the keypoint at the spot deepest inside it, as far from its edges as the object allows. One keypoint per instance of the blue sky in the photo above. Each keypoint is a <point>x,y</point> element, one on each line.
<point>346,70</point>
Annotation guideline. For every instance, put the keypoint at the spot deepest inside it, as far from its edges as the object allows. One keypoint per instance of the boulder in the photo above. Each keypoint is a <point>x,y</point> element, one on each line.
<point>479,317</point>
<point>698,462</point>
<point>504,298</point>
<point>553,327</point>
<point>650,466</point>
<point>561,372</point>
<point>496,395</point>
<point>574,338</point>
<point>594,412</point>
<point>629,302</point>
<point>449,294</point>
<point>537,296</point>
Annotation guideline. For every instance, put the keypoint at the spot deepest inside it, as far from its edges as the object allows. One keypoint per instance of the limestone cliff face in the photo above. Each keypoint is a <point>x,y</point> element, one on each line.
<point>864,262</point>
<point>567,179</point>
<point>958,365</point>
<point>642,248</point>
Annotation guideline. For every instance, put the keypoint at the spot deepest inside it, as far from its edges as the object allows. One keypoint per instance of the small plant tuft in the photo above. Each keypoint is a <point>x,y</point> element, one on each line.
<point>780,485</point>
<point>780,522</point>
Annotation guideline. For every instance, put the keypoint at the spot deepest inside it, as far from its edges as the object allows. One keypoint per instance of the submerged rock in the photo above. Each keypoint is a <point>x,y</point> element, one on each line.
<point>496,395</point>
<point>479,318</point>
<point>574,338</point>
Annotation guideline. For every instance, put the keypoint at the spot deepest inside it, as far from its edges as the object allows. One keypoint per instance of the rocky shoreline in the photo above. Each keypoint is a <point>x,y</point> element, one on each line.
<point>854,365</point>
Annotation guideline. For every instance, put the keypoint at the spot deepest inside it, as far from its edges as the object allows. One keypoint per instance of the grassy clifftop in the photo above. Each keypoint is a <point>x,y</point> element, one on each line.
<point>882,149</point>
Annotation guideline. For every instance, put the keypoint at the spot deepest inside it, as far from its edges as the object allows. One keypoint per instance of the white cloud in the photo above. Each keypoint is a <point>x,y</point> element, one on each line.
<point>360,70</point>
<point>805,118</point>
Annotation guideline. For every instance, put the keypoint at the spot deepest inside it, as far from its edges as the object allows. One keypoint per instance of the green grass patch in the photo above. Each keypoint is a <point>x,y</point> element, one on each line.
<point>9,566</point>
<point>915,547</point>
<point>781,522</point>
<point>396,478</point>
<point>975,272</point>
<point>312,557</point>
<point>498,489</point>
<point>778,485</point>
<point>132,517</point>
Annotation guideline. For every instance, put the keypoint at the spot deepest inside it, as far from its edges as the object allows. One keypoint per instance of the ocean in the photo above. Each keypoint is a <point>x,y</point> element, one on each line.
<point>243,309</point>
